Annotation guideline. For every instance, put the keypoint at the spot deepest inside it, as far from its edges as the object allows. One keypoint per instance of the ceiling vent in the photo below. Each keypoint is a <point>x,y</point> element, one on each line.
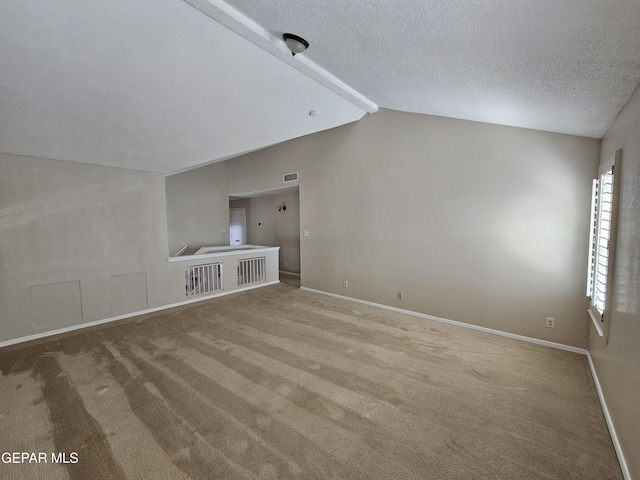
<point>290,177</point>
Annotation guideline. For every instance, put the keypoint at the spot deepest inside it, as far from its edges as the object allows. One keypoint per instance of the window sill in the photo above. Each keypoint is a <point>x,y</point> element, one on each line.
<point>595,319</point>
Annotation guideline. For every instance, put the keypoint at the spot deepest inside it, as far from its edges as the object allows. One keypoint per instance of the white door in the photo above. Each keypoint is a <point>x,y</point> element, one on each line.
<point>237,226</point>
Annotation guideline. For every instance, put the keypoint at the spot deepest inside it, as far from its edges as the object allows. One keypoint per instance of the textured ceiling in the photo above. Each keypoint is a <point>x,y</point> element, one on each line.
<point>167,85</point>
<point>154,85</point>
<point>564,66</point>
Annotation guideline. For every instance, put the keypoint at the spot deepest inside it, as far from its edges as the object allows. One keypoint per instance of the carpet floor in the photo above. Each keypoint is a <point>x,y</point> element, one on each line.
<point>279,383</point>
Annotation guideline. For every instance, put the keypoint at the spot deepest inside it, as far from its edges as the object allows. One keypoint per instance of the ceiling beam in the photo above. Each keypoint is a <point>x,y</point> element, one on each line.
<point>247,28</point>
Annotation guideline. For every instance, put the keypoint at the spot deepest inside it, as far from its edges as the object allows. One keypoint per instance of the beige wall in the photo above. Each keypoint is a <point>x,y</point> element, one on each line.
<point>262,211</point>
<point>197,208</point>
<point>288,231</point>
<point>78,243</point>
<point>267,226</point>
<point>278,228</point>
<point>618,362</point>
<point>472,222</point>
<point>81,243</point>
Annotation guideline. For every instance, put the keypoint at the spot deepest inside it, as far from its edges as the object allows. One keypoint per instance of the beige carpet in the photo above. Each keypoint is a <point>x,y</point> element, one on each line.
<point>282,383</point>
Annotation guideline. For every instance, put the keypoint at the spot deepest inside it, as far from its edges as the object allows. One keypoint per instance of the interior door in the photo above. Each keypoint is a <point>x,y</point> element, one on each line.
<point>237,226</point>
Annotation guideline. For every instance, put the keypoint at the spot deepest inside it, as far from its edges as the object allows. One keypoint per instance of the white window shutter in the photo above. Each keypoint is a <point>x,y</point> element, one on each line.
<point>604,208</point>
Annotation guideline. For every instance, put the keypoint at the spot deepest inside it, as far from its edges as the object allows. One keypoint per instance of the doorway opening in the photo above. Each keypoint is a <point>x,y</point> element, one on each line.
<point>272,218</point>
<point>237,226</point>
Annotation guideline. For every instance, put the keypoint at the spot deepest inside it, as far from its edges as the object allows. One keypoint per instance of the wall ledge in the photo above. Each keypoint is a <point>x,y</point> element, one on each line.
<point>230,252</point>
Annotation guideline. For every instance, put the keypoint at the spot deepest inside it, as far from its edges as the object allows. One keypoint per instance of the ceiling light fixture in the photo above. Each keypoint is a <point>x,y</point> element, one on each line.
<point>295,43</point>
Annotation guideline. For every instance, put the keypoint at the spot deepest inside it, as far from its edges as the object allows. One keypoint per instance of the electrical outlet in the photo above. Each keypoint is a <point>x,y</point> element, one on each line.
<point>551,322</point>
<point>346,284</point>
<point>234,278</point>
<point>285,263</point>
<point>224,230</point>
<point>305,233</point>
<point>400,295</point>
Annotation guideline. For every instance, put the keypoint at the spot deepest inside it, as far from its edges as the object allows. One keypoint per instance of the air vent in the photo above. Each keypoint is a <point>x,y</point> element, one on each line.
<point>290,177</point>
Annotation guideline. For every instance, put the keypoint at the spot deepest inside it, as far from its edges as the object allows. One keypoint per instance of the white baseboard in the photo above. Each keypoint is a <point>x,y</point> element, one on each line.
<point>560,346</point>
<point>607,416</point>
<point>289,273</point>
<point>58,331</point>
<point>546,343</point>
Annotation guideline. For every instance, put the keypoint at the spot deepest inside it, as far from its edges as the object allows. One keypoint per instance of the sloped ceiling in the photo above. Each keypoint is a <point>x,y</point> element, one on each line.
<point>154,85</point>
<point>564,66</point>
<point>167,85</point>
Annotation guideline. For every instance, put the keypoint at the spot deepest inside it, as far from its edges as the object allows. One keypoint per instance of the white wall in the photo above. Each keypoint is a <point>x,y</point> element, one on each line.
<point>473,222</point>
<point>618,362</point>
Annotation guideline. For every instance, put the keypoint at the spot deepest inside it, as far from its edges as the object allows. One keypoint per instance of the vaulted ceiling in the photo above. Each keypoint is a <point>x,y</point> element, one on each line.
<point>166,85</point>
<point>564,66</point>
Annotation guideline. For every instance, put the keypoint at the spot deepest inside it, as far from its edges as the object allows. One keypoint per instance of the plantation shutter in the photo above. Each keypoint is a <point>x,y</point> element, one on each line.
<point>592,236</point>
<point>602,243</point>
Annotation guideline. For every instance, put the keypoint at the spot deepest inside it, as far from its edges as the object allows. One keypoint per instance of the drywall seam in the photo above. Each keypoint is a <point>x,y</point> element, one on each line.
<point>546,343</point>
<point>94,323</point>
<point>559,346</point>
<point>607,416</point>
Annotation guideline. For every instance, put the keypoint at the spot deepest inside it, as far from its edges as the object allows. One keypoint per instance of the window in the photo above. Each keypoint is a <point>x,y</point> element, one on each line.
<point>604,200</point>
